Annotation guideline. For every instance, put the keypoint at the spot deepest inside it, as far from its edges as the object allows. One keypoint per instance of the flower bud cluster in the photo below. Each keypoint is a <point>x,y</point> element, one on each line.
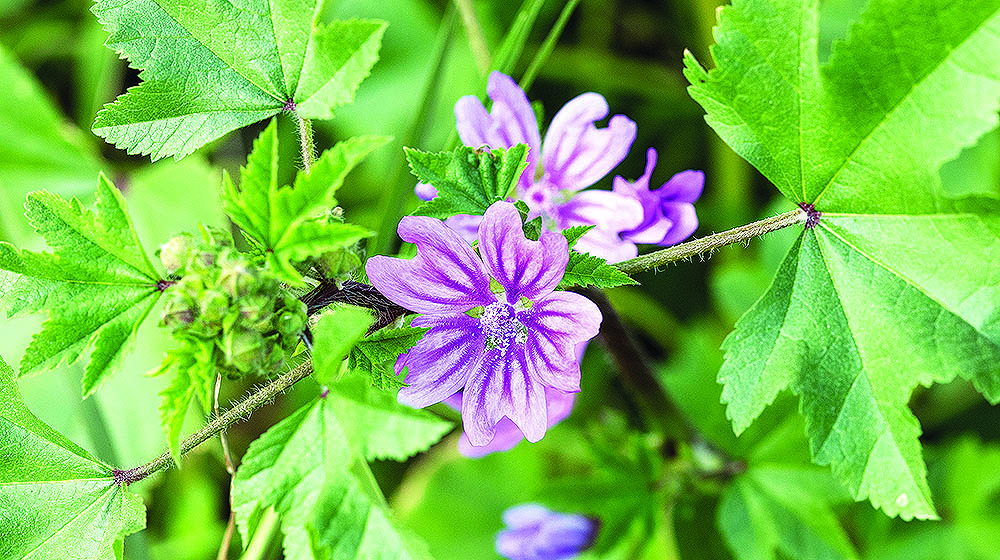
<point>225,301</point>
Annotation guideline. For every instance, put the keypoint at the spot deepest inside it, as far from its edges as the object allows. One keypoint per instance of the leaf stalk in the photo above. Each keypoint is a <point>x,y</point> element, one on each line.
<point>235,414</point>
<point>712,242</point>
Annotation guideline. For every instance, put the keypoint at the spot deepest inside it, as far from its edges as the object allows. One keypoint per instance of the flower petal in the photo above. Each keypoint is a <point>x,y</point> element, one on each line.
<point>522,266</point>
<point>442,361</point>
<point>465,225</point>
<point>558,405</point>
<point>503,386</point>
<point>611,213</point>
<point>684,219</point>
<point>575,153</point>
<point>525,514</point>
<point>512,121</point>
<point>685,186</point>
<point>445,276</point>
<point>556,326</point>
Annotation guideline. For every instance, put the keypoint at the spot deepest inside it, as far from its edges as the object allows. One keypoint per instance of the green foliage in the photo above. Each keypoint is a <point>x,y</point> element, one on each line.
<point>468,180</point>
<point>896,286</point>
<point>372,356</point>
<point>97,287</point>
<point>58,501</point>
<point>229,316</point>
<point>292,224</point>
<point>334,335</point>
<point>311,467</point>
<point>584,269</point>
<point>214,67</point>
<point>37,146</point>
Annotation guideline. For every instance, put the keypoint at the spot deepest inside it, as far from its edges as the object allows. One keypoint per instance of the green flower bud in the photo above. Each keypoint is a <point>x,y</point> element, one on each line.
<point>175,253</point>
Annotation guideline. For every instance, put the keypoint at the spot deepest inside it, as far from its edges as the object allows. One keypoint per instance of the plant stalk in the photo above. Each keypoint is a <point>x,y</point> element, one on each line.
<point>712,242</point>
<point>235,414</point>
<point>306,142</point>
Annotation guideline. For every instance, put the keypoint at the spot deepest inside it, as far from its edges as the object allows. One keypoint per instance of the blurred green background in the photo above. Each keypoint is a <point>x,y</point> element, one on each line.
<point>56,74</point>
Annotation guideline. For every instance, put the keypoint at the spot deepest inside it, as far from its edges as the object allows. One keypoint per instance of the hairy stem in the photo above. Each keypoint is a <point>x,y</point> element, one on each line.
<point>477,41</point>
<point>235,414</point>
<point>227,537</point>
<point>306,142</point>
<point>712,242</point>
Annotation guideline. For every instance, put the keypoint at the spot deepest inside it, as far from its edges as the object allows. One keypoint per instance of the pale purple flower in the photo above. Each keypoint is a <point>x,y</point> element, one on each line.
<point>502,348</point>
<point>537,533</point>
<point>558,406</point>
<point>574,155</point>
<point>669,215</point>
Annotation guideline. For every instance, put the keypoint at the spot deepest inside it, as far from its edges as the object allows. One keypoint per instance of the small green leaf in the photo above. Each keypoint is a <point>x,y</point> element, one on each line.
<point>574,233</point>
<point>58,501</point>
<point>468,180</point>
<point>289,223</point>
<point>308,468</point>
<point>97,287</point>
<point>194,375</point>
<point>369,356</point>
<point>333,338</point>
<point>214,69</point>
<point>584,269</point>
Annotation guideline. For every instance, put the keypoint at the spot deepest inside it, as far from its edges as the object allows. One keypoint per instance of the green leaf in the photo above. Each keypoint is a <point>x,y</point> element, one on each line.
<point>333,338</point>
<point>58,501</point>
<point>37,146</point>
<point>194,375</point>
<point>307,467</point>
<point>378,427</point>
<point>467,179</point>
<point>370,355</point>
<point>896,286</point>
<point>222,66</point>
<point>97,287</point>
<point>783,511</point>
<point>290,222</point>
<point>584,269</point>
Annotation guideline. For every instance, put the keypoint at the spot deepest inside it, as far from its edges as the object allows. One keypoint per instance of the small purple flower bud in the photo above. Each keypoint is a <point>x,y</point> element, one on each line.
<point>537,533</point>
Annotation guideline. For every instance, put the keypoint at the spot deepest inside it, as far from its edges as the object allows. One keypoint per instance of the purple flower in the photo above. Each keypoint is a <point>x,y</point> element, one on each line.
<point>558,406</point>
<point>575,155</point>
<point>536,533</point>
<point>503,344</point>
<point>669,215</point>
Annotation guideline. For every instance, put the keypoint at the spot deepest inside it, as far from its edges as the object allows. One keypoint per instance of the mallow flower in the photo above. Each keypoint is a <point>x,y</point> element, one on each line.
<point>536,533</point>
<point>574,155</point>
<point>498,330</point>
<point>558,405</point>
<point>668,212</point>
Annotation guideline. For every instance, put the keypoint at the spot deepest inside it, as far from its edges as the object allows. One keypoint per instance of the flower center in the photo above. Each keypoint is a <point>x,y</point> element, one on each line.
<point>500,325</point>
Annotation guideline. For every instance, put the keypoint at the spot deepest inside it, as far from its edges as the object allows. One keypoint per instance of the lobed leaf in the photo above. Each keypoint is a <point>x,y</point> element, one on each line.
<point>584,269</point>
<point>311,468</point>
<point>371,354</point>
<point>897,285</point>
<point>334,336</point>
<point>97,287</point>
<point>217,66</point>
<point>57,500</point>
<point>468,180</point>
<point>290,223</point>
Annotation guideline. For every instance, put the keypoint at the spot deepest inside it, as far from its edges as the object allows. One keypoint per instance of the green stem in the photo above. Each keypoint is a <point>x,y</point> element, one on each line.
<point>550,43</point>
<point>235,414</point>
<point>306,142</point>
<point>474,31</point>
<point>712,242</point>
